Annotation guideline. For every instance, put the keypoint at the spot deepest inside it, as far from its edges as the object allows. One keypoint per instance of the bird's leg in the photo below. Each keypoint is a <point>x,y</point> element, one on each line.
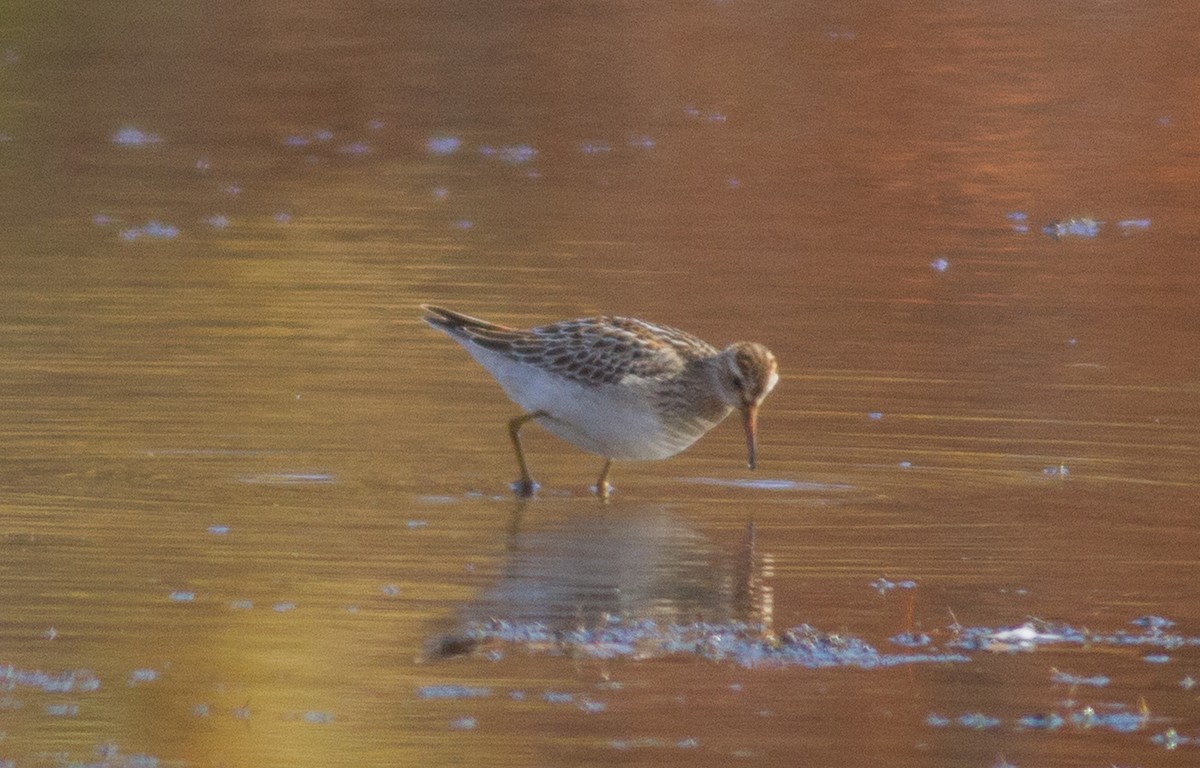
<point>603,489</point>
<point>525,485</point>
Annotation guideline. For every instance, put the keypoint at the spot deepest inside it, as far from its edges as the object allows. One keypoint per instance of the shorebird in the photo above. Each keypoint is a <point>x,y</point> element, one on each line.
<point>622,388</point>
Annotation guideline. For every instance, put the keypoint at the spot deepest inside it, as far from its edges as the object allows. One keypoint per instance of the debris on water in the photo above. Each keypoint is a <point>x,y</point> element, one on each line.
<point>875,415</point>
<point>375,124</point>
<point>1074,227</point>
<point>1156,658</point>
<point>283,607</point>
<point>883,585</point>
<point>555,697</point>
<point>411,524</point>
<point>453,691</point>
<point>743,644</point>
<point>74,680</point>
<point>217,221</point>
<point>1129,226</point>
<point>134,137</point>
<point>1059,471</point>
<point>1187,683</point>
<point>289,478</point>
<point>462,224</point>
<point>282,217</point>
<point>978,721</point>
<point>233,190</point>
<point>1036,633</point>
<point>1020,221</point>
<point>391,590</point>
<point>911,639</point>
<point>464,724</point>
<point>153,230</point>
<point>241,605</point>
<point>1171,739</point>
<point>595,147</point>
<point>218,530</point>
<point>102,219</point>
<point>355,148</point>
<point>1065,678</point>
<point>68,709</point>
<point>139,676</point>
<point>202,165</point>
<point>641,142</point>
<point>440,193</point>
<point>768,484</point>
<point>182,596</point>
<point>316,717</point>
<point>1041,722</point>
<point>295,140</point>
<point>443,145</point>
<point>935,720</point>
<point>517,154</point>
<point>939,264</point>
<point>323,135</point>
<point>1152,622</point>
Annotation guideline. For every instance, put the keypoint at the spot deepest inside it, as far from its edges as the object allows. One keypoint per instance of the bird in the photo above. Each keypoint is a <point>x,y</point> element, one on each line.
<point>622,388</point>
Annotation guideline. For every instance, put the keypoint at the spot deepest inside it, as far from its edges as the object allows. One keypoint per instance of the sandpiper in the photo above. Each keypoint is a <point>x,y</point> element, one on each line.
<point>622,388</point>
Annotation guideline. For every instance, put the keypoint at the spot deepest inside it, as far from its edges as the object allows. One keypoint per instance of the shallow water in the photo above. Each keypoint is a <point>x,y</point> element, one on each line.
<point>254,512</point>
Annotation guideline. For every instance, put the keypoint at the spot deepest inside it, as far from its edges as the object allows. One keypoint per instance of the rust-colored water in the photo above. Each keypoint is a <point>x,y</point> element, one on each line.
<point>244,488</point>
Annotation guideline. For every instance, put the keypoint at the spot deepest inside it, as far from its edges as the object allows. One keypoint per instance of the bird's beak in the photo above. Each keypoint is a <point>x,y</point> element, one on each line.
<point>750,422</point>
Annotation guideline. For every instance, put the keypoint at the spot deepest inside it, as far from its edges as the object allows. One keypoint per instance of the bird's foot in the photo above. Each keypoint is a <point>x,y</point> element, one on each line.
<point>525,487</point>
<point>603,490</point>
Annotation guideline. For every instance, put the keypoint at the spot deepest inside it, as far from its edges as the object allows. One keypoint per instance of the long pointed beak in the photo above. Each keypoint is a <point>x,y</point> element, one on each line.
<point>750,422</point>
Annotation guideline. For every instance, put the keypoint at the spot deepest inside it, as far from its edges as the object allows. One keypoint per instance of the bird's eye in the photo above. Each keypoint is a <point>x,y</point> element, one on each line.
<point>737,381</point>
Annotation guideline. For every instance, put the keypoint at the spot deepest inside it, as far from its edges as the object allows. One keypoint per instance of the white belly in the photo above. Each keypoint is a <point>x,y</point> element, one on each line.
<point>610,420</point>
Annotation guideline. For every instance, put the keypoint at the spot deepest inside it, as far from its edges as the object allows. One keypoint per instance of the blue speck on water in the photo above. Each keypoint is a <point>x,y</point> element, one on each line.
<point>295,141</point>
<point>1152,622</point>
<point>1156,658</point>
<point>554,697</point>
<point>233,190</point>
<point>935,720</point>
<point>218,221</point>
<point>283,607</point>
<point>440,193</point>
<point>1016,216</point>
<point>516,695</point>
<point>443,145</point>
<point>200,710</point>
<point>375,125</point>
<point>464,724</point>
<point>462,224</point>
<point>595,147</point>
<point>875,415</point>
<point>102,220</point>
<point>154,230</point>
<point>355,148</point>
<point>139,676</point>
<point>641,142</point>
<point>282,217</point>
<point>134,137</point>
<point>1128,226</point>
<point>1063,678</point>
<point>316,717</point>
<point>69,709</point>
<point>411,524</point>
<point>517,154</point>
<point>181,596</point>
<point>733,182</point>
<point>1041,722</point>
<point>688,743</point>
<point>592,707</point>
<point>453,691</point>
<point>939,264</point>
<point>323,135</point>
<point>391,590</point>
<point>905,464</point>
<point>978,721</point>
<point>1076,227</point>
<point>241,605</point>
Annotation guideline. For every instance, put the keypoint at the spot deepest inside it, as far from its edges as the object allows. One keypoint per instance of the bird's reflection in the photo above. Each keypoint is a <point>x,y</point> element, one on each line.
<point>626,562</point>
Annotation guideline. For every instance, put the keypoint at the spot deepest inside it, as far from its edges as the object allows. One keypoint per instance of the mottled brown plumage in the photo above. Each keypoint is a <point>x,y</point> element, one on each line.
<point>616,386</point>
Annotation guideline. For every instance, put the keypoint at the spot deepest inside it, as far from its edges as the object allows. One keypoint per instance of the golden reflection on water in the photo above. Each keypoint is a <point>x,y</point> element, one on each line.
<point>245,487</point>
